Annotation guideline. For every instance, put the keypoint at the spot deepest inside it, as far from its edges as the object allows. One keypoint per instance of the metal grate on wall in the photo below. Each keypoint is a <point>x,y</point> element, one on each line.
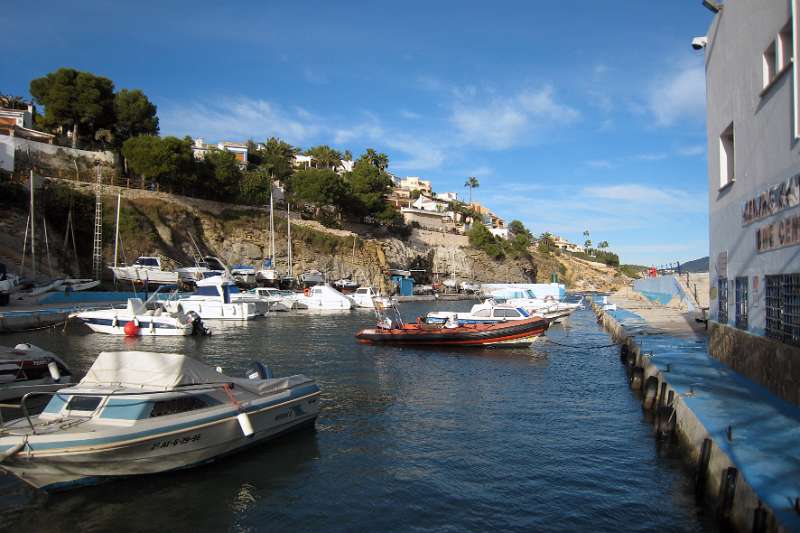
<point>722,298</point>
<point>783,308</point>
<point>742,302</point>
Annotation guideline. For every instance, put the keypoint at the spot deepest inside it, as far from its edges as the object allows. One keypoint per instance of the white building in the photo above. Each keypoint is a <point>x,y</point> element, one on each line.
<point>447,196</point>
<point>414,183</point>
<point>754,182</point>
<point>426,203</point>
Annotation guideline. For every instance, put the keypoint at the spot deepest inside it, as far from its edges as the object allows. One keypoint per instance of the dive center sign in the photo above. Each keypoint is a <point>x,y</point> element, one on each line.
<point>783,232</point>
<point>772,201</point>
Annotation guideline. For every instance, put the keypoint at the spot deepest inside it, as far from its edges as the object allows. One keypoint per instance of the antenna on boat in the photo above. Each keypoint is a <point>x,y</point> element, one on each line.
<point>271,226</point>
<point>289,240</point>
<point>33,230</point>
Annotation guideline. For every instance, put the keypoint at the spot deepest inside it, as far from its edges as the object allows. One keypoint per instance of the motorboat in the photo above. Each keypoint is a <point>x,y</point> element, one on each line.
<point>526,299</point>
<point>324,297</point>
<point>75,285</point>
<point>138,413</point>
<point>346,284</point>
<point>277,300</point>
<point>136,320</point>
<point>146,269</point>
<point>310,278</point>
<point>490,312</point>
<point>205,267</point>
<point>244,275</point>
<point>367,297</point>
<point>212,301</point>
<point>261,306</point>
<point>508,334</point>
<point>27,368</point>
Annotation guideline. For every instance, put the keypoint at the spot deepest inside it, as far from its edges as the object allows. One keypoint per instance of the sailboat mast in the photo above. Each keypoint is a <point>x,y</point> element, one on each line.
<point>33,233</point>
<point>289,241</point>
<point>271,231</point>
<point>116,231</point>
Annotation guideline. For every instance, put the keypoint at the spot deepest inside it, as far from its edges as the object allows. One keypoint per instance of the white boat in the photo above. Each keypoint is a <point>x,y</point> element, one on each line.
<point>27,368</point>
<point>146,322</point>
<point>276,299</point>
<point>74,285</point>
<point>324,297</point>
<point>526,299</point>
<point>206,267</point>
<point>244,275</point>
<point>212,301</point>
<point>310,278</point>
<point>145,269</point>
<point>483,313</point>
<point>346,284</point>
<point>138,413</point>
<point>367,297</point>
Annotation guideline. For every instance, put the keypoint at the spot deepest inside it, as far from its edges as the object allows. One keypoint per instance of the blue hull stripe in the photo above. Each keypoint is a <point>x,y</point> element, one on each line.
<point>121,323</point>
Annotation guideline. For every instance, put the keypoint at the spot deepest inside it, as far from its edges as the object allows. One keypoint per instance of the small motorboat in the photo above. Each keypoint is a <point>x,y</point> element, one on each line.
<point>145,269</point>
<point>267,276</point>
<point>141,413</point>
<point>136,320</point>
<point>310,278</point>
<point>208,266</point>
<point>213,301</point>
<point>346,285</point>
<point>27,368</point>
<point>244,275</point>
<point>323,297</point>
<point>367,297</point>
<point>508,334</point>
<point>276,299</point>
<point>490,312</point>
<point>75,285</point>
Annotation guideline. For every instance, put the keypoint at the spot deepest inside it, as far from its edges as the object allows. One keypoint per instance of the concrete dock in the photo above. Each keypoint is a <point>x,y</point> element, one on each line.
<point>744,441</point>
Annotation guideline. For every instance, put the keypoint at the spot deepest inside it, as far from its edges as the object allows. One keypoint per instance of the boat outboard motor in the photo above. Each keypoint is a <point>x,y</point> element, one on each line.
<point>259,371</point>
<point>197,324</point>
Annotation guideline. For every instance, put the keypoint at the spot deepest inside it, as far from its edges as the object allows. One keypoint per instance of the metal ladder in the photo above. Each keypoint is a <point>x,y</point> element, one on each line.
<point>97,250</point>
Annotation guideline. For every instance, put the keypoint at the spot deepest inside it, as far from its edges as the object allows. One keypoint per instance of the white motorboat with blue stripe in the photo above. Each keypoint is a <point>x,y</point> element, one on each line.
<point>155,321</point>
<point>143,413</point>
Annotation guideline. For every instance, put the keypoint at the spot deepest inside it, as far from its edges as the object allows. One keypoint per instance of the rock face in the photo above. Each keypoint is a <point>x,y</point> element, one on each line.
<point>180,229</point>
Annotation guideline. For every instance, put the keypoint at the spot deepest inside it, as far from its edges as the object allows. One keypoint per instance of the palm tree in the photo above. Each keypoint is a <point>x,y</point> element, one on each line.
<point>473,183</point>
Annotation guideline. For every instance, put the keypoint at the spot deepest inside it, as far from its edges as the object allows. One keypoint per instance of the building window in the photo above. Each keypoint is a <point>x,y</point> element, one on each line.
<point>770,63</point>
<point>722,313</point>
<point>783,308</point>
<point>742,290</point>
<point>726,157</point>
<point>785,49</point>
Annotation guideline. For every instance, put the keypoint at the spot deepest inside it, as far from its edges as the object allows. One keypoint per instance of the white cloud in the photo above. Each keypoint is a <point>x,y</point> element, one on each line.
<point>410,114</point>
<point>511,121</point>
<point>681,95</point>
<point>238,118</point>
<point>649,157</point>
<point>643,196</point>
<point>599,163</point>
<point>690,151</point>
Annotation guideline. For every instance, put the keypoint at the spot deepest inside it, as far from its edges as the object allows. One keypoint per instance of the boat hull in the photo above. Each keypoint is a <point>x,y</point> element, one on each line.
<point>518,333</point>
<point>161,451</point>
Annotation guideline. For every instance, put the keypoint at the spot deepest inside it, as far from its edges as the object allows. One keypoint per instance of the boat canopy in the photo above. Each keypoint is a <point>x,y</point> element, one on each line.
<point>166,371</point>
<point>150,370</point>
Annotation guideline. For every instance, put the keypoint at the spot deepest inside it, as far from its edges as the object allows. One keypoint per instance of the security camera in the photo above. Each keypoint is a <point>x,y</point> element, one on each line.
<point>698,43</point>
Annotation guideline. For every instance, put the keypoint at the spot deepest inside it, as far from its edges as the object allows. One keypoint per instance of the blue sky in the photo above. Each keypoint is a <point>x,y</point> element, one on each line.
<point>573,115</point>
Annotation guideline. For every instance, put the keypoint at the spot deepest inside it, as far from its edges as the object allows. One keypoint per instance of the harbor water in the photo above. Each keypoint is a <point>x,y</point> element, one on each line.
<point>542,439</point>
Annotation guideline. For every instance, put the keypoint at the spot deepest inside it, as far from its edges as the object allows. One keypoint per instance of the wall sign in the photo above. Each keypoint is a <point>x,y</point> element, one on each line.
<point>774,200</point>
<point>783,232</point>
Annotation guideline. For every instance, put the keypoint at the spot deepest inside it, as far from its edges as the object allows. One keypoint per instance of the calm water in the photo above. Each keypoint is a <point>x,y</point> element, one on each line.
<point>548,438</point>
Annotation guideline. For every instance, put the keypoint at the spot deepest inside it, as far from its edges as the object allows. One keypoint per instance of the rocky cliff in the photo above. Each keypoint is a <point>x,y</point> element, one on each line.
<point>180,228</point>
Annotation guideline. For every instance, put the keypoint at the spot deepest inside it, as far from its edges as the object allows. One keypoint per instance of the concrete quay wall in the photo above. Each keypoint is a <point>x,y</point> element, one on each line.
<point>717,481</point>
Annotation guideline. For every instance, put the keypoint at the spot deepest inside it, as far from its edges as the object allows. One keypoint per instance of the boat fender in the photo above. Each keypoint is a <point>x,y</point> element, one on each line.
<point>22,348</point>
<point>306,292</point>
<point>219,370</point>
<point>13,450</point>
<point>55,373</point>
<point>245,424</point>
<point>131,329</point>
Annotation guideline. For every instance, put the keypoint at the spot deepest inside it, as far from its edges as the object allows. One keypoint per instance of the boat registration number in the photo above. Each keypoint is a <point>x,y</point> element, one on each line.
<point>175,442</point>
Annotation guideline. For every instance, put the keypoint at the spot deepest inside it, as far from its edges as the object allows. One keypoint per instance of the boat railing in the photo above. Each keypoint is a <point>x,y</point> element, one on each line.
<point>22,405</point>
